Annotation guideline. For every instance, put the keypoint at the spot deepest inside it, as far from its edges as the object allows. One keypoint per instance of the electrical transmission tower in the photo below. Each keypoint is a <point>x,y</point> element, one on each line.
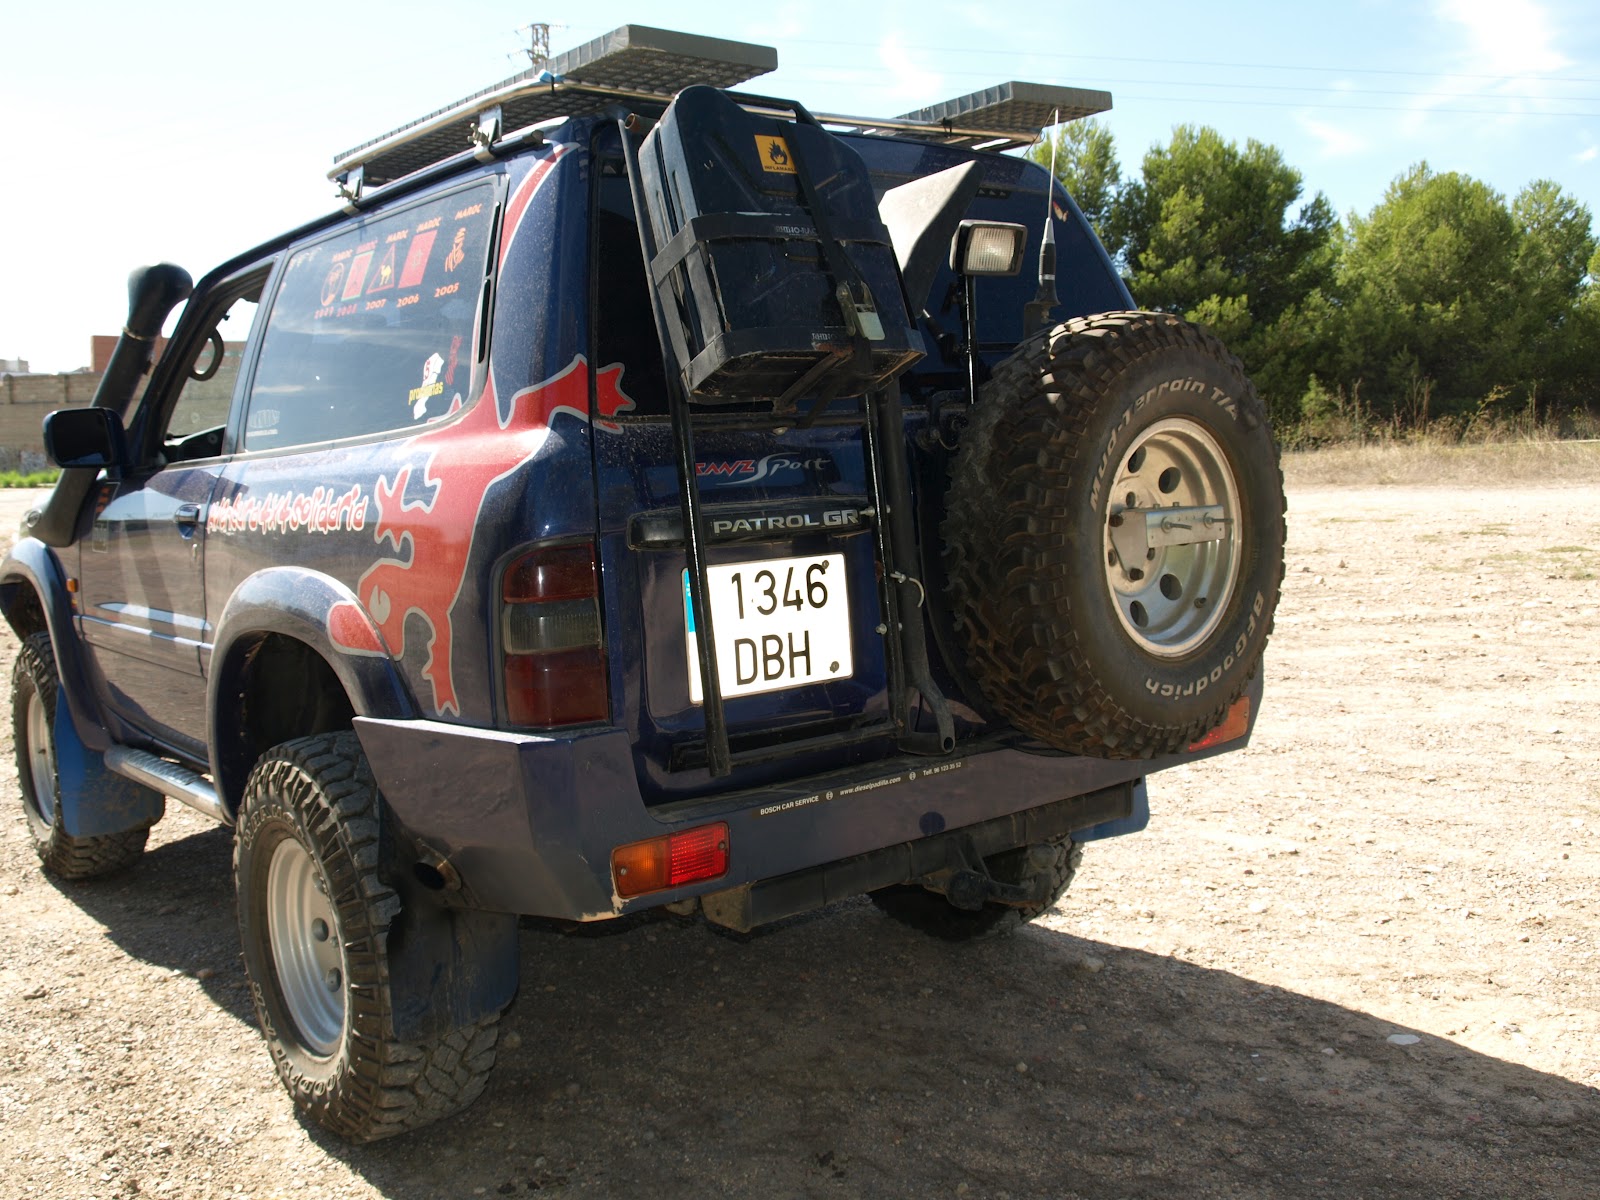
<point>538,48</point>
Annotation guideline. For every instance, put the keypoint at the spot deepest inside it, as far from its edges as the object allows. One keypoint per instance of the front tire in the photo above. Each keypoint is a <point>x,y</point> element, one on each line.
<point>315,915</point>
<point>35,687</point>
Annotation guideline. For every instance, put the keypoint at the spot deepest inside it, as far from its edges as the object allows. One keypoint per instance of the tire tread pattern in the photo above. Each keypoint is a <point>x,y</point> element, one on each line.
<point>1006,515</point>
<point>62,855</point>
<point>381,1086</point>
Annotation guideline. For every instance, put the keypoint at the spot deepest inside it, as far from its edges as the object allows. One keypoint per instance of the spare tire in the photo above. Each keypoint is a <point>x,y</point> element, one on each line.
<point>1114,535</point>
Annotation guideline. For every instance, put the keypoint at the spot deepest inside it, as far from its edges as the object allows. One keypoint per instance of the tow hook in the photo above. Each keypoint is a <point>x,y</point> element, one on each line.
<point>970,889</point>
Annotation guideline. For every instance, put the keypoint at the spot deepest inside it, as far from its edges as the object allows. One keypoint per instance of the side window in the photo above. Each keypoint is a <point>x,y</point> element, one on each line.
<point>624,317</point>
<point>374,328</point>
<point>208,387</point>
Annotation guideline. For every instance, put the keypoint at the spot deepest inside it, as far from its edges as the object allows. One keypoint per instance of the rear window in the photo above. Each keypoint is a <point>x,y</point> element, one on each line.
<point>375,328</point>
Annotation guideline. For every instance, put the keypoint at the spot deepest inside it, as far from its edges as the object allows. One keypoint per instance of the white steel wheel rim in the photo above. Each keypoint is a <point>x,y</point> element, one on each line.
<point>305,947</point>
<point>41,762</point>
<point>1174,600</point>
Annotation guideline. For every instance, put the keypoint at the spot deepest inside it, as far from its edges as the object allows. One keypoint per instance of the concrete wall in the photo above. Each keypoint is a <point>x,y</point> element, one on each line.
<point>26,399</point>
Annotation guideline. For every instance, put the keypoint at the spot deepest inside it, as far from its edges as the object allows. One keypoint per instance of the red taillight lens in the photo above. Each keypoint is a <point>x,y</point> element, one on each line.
<point>551,573</point>
<point>1235,725</point>
<point>562,687</point>
<point>550,635</point>
<point>671,861</point>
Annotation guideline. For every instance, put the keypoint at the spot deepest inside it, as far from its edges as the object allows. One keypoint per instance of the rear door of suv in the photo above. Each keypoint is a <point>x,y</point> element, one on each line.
<point>792,564</point>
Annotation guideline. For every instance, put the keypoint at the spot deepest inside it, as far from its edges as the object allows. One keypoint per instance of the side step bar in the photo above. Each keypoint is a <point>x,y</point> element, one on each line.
<point>167,778</point>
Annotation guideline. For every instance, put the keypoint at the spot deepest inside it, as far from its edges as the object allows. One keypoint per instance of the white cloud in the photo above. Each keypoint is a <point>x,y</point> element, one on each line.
<point>1508,37</point>
<point>1500,56</point>
<point>1332,140</point>
<point>914,84</point>
<point>985,17</point>
<point>1588,155</point>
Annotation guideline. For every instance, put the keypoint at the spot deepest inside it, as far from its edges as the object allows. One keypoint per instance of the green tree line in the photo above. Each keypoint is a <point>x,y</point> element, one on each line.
<point>1445,306</point>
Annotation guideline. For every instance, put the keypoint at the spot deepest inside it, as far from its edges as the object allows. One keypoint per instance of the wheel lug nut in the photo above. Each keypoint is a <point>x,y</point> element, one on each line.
<point>1116,520</point>
<point>1135,574</point>
<point>319,929</point>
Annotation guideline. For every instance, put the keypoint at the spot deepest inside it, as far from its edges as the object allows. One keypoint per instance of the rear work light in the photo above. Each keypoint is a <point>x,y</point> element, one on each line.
<point>671,861</point>
<point>555,656</point>
<point>988,248</point>
<point>1235,725</point>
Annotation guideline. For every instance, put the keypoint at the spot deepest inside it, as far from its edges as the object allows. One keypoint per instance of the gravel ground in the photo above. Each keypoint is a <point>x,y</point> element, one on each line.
<point>1356,960</point>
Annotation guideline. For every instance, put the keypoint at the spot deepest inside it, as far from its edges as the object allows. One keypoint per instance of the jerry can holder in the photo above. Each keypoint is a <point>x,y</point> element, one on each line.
<point>881,418</point>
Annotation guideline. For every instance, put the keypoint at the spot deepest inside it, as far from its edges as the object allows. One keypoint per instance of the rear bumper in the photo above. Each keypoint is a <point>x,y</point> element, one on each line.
<point>528,822</point>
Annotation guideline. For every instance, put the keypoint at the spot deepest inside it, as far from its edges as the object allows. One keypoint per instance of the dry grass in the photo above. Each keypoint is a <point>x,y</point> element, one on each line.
<point>1423,463</point>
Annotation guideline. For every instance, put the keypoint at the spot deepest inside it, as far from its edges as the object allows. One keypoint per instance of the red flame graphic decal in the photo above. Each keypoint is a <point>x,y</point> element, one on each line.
<point>431,530</point>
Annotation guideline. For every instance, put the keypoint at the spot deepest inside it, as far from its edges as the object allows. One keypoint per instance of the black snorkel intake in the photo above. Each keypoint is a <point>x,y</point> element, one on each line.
<point>153,292</point>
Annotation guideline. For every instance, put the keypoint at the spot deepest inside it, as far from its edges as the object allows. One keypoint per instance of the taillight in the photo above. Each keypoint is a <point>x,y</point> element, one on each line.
<point>1235,725</point>
<point>671,861</point>
<point>555,656</point>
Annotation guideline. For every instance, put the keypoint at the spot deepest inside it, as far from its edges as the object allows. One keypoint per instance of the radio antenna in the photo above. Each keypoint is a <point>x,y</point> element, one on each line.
<point>1036,314</point>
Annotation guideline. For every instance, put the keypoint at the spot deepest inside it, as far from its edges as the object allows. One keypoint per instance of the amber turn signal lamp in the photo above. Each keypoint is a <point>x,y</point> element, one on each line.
<point>1235,725</point>
<point>671,861</point>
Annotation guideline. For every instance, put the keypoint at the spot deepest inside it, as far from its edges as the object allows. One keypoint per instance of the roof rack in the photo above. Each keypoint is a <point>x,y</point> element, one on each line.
<point>1015,112</point>
<point>634,62</point>
<point>641,63</point>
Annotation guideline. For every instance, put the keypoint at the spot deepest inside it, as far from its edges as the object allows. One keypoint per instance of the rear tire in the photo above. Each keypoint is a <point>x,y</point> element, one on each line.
<point>315,916</point>
<point>930,913</point>
<point>35,686</point>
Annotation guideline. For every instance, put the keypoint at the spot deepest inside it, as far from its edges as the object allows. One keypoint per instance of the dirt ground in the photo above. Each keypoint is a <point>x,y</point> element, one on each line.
<point>1409,847</point>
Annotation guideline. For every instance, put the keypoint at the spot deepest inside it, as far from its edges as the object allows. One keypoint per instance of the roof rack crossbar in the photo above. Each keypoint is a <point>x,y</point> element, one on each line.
<point>640,64</point>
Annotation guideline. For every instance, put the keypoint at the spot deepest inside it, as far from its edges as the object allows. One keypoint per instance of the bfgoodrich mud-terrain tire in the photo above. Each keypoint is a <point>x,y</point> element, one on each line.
<point>1092,618</point>
<point>34,687</point>
<point>315,917</point>
<point>930,913</point>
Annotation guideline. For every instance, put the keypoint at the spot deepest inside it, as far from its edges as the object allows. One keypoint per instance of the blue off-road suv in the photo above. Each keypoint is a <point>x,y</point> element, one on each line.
<point>639,494</point>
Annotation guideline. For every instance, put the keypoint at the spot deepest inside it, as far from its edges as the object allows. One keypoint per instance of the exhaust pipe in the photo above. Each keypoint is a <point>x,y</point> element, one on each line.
<point>153,292</point>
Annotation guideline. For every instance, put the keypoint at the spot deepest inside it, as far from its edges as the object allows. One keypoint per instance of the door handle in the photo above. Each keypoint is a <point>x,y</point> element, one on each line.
<point>186,514</point>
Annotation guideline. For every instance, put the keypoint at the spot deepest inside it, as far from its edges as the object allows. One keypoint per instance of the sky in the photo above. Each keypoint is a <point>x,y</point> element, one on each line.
<point>189,132</point>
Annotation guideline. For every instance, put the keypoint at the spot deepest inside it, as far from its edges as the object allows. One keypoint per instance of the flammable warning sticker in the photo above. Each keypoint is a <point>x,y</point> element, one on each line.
<point>774,155</point>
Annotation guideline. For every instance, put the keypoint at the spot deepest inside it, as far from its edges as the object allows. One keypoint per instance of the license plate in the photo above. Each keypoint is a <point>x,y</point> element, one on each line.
<point>780,623</point>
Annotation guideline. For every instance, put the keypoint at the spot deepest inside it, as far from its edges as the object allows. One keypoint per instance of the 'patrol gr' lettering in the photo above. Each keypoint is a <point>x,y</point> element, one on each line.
<point>832,518</point>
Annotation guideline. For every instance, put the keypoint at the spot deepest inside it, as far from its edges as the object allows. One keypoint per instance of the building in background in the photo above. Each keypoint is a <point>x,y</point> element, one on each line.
<point>26,399</point>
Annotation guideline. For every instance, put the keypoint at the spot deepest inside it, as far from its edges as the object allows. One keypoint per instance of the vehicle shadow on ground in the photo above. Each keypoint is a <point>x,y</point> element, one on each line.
<point>174,909</point>
<point>844,1055</point>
